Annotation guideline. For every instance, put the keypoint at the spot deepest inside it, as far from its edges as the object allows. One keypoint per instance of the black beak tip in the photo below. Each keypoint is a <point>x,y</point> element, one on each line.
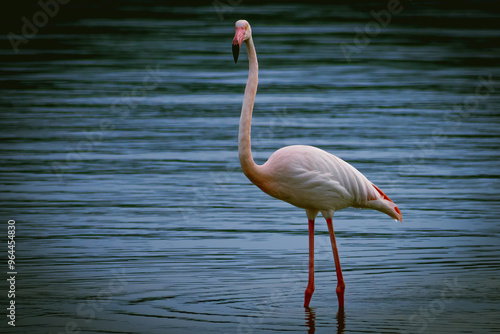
<point>236,52</point>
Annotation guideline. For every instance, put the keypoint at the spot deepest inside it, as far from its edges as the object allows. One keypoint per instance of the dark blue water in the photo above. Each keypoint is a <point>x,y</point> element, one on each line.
<point>120,168</point>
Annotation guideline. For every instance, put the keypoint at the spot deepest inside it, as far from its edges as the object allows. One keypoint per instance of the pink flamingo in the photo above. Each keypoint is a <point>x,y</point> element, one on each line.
<point>304,176</point>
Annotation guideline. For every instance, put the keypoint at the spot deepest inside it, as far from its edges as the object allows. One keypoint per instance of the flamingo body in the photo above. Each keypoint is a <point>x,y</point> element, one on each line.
<point>315,180</point>
<point>304,176</point>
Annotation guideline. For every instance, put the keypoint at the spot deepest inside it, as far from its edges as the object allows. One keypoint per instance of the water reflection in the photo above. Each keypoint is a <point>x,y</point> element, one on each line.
<point>340,320</point>
<point>310,320</point>
<point>310,317</point>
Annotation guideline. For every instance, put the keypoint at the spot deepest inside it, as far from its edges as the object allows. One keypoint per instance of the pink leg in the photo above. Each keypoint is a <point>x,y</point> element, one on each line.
<point>310,285</point>
<point>338,270</point>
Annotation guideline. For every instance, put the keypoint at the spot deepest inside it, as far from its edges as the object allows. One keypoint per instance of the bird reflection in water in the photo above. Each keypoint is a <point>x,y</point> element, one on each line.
<point>310,320</point>
<point>340,320</point>
<point>310,317</point>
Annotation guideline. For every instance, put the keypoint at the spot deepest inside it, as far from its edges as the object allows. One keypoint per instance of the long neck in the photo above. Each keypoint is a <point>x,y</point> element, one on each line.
<point>248,166</point>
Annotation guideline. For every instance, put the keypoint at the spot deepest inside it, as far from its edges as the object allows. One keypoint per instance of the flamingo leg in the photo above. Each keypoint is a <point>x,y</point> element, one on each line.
<point>340,280</point>
<point>310,284</point>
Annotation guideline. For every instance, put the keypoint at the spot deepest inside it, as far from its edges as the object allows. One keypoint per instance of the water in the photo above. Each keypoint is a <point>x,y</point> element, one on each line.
<point>120,168</point>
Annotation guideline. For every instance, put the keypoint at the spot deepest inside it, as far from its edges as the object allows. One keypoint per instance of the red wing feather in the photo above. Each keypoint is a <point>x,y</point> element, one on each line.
<point>381,193</point>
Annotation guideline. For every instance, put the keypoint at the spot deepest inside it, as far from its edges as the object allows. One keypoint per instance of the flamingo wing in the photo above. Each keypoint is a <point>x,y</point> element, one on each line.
<point>311,178</point>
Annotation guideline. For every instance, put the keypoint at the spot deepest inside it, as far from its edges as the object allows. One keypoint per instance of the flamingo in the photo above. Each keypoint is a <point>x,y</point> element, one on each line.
<point>304,176</point>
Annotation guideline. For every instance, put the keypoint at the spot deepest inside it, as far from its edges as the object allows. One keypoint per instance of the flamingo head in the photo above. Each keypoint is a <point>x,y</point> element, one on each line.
<point>243,32</point>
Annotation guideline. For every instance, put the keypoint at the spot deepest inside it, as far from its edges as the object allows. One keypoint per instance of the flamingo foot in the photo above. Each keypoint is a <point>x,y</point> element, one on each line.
<point>340,294</point>
<point>308,295</point>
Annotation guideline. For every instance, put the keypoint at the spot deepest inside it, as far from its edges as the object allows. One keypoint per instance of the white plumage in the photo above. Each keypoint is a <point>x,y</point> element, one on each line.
<point>313,179</point>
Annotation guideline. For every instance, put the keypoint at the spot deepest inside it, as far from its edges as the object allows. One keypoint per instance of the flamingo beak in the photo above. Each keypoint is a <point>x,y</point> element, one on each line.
<point>238,39</point>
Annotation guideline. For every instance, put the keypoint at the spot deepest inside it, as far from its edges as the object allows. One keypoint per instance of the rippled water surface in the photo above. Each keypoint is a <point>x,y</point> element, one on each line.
<point>119,165</point>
